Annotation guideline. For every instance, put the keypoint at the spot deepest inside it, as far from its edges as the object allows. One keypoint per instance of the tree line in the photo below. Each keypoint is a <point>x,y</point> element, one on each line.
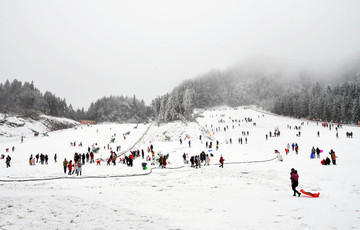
<point>25,99</point>
<point>301,96</point>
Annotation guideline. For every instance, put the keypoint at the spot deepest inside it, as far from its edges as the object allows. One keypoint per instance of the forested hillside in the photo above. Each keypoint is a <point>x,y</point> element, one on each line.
<point>290,93</point>
<point>265,84</point>
<point>23,98</point>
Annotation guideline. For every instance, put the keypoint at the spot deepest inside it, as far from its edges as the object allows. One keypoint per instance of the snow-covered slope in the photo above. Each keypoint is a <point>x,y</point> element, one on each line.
<point>242,195</point>
<point>13,127</point>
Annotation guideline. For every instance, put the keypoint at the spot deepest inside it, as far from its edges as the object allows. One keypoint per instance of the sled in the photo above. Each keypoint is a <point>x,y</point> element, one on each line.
<point>314,195</point>
<point>96,149</point>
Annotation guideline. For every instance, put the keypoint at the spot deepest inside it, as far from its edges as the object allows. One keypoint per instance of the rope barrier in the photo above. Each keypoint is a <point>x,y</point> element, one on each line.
<point>125,175</point>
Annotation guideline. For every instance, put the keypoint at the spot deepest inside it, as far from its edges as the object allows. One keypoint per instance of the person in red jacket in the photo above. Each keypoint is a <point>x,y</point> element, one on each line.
<point>221,162</point>
<point>70,167</point>
<point>164,162</point>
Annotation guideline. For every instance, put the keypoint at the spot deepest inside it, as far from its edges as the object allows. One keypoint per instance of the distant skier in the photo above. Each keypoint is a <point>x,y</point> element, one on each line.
<point>55,157</point>
<point>294,177</point>
<point>189,144</point>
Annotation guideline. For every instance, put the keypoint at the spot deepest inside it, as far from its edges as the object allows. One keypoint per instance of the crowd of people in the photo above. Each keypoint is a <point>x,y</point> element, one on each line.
<point>75,165</point>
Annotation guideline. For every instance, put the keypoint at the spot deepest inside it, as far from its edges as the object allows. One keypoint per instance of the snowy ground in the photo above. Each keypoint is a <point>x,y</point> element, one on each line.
<point>239,196</point>
<point>12,127</point>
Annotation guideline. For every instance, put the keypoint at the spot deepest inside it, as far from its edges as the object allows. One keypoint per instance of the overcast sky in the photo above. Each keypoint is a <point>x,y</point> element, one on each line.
<point>84,50</point>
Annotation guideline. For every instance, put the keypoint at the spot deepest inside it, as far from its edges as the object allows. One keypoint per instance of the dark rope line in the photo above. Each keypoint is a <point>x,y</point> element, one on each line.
<point>126,175</point>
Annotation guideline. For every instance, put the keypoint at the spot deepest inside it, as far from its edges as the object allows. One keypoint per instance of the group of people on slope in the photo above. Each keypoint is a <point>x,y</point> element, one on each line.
<point>44,158</point>
<point>327,160</point>
<point>75,167</point>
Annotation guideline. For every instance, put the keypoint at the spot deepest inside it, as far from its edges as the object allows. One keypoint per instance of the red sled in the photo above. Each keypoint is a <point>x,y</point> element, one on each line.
<point>314,195</point>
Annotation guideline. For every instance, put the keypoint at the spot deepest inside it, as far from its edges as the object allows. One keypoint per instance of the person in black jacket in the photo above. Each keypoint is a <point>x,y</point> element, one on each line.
<point>8,159</point>
<point>318,152</point>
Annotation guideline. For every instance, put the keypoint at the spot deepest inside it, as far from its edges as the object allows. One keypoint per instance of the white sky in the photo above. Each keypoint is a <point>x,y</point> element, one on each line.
<point>83,50</point>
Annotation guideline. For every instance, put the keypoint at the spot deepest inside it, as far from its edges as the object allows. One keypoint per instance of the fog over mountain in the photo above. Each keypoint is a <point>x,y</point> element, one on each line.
<point>84,50</point>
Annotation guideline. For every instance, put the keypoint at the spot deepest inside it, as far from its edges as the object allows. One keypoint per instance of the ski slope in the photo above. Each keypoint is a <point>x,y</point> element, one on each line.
<point>242,195</point>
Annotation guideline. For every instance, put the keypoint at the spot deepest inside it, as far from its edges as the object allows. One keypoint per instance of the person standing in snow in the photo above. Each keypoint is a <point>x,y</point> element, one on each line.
<point>92,158</point>
<point>79,168</point>
<point>313,151</point>
<point>70,166</point>
<point>296,148</point>
<point>192,160</point>
<point>317,152</point>
<point>207,160</point>
<point>221,162</point>
<point>184,157</point>
<point>8,159</point>
<point>189,144</point>
<point>31,159</point>
<point>75,167</point>
<point>294,177</point>
<point>333,156</point>
<point>65,164</point>
<point>55,157</point>
<point>294,181</point>
<point>164,162</point>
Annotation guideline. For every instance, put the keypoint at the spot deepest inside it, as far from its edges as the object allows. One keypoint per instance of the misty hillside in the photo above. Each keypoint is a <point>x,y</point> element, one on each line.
<point>271,84</point>
<point>279,88</point>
